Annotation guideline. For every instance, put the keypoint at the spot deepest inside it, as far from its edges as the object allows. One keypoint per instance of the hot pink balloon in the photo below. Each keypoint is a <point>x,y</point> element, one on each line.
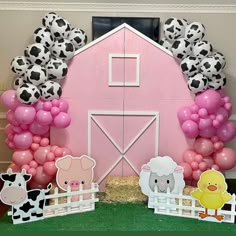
<point>22,157</point>
<point>23,140</point>
<point>203,146</point>
<point>184,114</point>
<point>10,116</point>
<point>204,123</point>
<point>66,151</point>
<point>208,132</point>
<point>44,117</point>
<point>40,154</point>
<point>38,129</point>
<point>187,170</point>
<point>8,129</point>
<point>227,131</point>
<point>209,99</point>
<point>41,177</point>
<point>9,99</point>
<point>62,120</point>
<point>50,168</point>
<point>63,105</point>
<point>225,158</point>
<point>25,114</point>
<point>189,156</point>
<point>190,129</point>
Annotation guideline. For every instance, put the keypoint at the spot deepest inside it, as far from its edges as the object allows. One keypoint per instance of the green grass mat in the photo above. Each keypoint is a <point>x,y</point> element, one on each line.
<point>116,217</point>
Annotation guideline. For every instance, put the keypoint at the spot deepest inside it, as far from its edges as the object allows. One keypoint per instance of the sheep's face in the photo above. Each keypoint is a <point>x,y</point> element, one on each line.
<point>162,182</point>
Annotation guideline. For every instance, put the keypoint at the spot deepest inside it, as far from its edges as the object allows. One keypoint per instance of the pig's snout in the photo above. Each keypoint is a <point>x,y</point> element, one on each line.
<point>74,184</point>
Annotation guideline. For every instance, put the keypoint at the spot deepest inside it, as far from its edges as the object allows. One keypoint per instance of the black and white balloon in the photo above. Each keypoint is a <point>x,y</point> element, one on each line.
<point>28,94</point>
<point>36,75</point>
<point>217,82</point>
<point>43,35</point>
<point>50,90</point>
<point>210,66</point>
<point>190,65</point>
<point>181,48</point>
<point>18,82</point>
<point>202,49</point>
<point>19,65</point>
<point>60,28</point>
<point>63,48</point>
<point>78,38</point>
<point>37,53</point>
<point>194,32</point>
<point>220,57</point>
<point>48,19</point>
<point>166,44</point>
<point>197,83</point>
<point>56,69</point>
<point>174,28</point>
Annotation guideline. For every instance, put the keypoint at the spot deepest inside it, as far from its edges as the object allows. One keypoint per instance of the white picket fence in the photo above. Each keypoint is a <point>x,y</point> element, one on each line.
<point>66,206</point>
<point>187,206</point>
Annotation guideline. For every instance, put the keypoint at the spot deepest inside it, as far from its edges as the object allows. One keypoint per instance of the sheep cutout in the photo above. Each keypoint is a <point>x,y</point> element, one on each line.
<point>162,175</point>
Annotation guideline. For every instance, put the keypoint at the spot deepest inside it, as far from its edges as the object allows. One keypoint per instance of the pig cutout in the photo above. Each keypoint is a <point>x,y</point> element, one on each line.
<point>75,171</point>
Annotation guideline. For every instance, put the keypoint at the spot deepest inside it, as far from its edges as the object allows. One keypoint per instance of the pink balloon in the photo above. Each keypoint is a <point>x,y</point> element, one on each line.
<point>58,152</point>
<point>209,99</point>
<point>15,168</point>
<point>25,114</point>
<point>209,161</point>
<point>204,123</point>
<point>223,113</point>
<point>194,165</point>
<point>26,167</point>
<point>187,170</point>
<point>44,117</point>
<point>34,146</point>
<point>50,156</point>
<point>227,131</point>
<point>44,142</point>
<point>184,114</point>
<point>35,185</point>
<point>197,174</point>
<point>10,116</point>
<point>63,105</point>
<point>50,168</point>
<point>40,154</point>
<point>9,99</point>
<point>189,156</point>
<point>66,151</point>
<point>198,158</point>
<point>22,157</point>
<point>33,164</point>
<point>62,120</point>
<point>47,106</point>
<point>203,146</point>
<point>190,129</point>
<point>8,129</point>
<point>38,129</point>
<point>23,140</point>
<point>55,111</point>
<point>202,166</point>
<point>39,105</point>
<point>31,171</point>
<point>208,132</point>
<point>225,158</point>
<point>41,177</point>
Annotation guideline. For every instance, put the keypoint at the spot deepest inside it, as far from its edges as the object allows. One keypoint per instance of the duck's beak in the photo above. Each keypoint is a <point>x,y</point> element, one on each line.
<point>212,187</point>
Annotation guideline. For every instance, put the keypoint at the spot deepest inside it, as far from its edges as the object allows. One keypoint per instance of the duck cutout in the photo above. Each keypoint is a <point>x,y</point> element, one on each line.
<point>211,193</point>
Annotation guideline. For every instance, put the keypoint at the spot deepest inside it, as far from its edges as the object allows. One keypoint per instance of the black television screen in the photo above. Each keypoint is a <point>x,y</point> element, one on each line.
<point>149,26</point>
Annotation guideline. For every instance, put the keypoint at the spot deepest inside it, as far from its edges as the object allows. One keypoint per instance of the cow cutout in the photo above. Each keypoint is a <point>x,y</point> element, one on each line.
<point>27,205</point>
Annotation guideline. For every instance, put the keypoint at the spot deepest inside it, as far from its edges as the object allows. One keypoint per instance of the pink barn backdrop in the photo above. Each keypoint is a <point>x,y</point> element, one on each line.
<point>124,91</point>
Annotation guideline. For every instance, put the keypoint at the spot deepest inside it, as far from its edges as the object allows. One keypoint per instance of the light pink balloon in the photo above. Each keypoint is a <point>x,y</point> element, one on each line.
<point>187,170</point>
<point>203,146</point>
<point>190,129</point>
<point>33,164</point>
<point>202,166</point>
<point>23,140</point>
<point>44,117</point>
<point>197,174</point>
<point>189,156</point>
<point>40,154</point>
<point>38,129</point>
<point>62,120</point>
<point>225,158</point>
<point>208,132</point>
<point>41,177</point>
<point>50,156</point>
<point>227,131</point>
<point>66,151</point>
<point>25,114</point>
<point>194,165</point>
<point>209,99</point>
<point>10,116</point>
<point>204,123</point>
<point>22,157</point>
<point>44,142</point>
<point>209,161</point>
<point>50,168</point>
<point>9,99</point>
<point>184,114</point>
<point>31,171</point>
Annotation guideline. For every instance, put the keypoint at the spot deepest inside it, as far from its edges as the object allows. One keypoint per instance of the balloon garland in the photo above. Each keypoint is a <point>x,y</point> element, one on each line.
<point>34,105</point>
<point>207,120</point>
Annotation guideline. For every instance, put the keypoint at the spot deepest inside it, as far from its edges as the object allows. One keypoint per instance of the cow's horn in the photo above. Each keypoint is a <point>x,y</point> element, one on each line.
<point>9,171</point>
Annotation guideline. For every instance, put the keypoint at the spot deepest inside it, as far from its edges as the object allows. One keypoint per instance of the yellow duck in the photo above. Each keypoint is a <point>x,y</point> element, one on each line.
<point>211,192</point>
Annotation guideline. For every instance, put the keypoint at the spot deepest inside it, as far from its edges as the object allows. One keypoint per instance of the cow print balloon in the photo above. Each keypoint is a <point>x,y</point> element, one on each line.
<point>166,44</point>
<point>194,32</point>
<point>36,75</point>
<point>60,28</point>
<point>43,35</point>
<point>190,65</point>
<point>63,48</point>
<point>220,57</point>
<point>197,83</point>
<point>210,66</point>
<point>174,28</point>
<point>181,48</point>
<point>38,53</point>
<point>56,69</point>
<point>217,82</point>
<point>19,65</point>
<point>202,49</point>
<point>50,90</point>
<point>18,82</point>
<point>48,19</point>
<point>28,94</point>
<point>78,38</point>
